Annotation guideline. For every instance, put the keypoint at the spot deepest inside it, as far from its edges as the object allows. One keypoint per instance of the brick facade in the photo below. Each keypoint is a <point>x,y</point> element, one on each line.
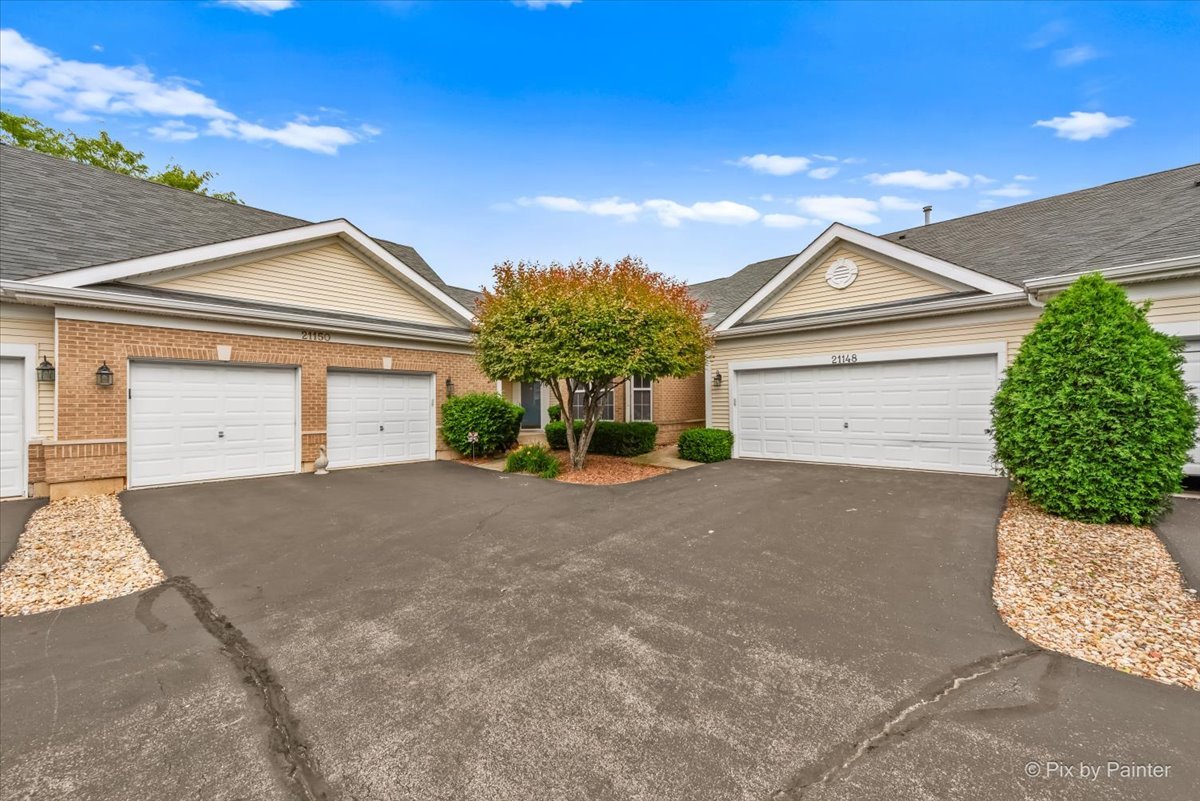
<point>92,419</point>
<point>678,406</point>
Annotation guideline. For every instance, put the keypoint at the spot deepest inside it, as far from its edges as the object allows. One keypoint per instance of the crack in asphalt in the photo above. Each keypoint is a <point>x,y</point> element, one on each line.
<point>902,720</point>
<point>302,769</point>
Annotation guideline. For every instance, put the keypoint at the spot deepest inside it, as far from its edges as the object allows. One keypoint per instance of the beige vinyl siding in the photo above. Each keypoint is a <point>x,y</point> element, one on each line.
<point>33,325</point>
<point>876,283</point>
<point>326,277</point>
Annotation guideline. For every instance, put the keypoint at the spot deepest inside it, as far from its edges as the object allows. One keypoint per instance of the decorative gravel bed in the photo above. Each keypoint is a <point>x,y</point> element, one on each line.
<point>72,552</point>
<point>605,470</point>
<point>1108,594</point>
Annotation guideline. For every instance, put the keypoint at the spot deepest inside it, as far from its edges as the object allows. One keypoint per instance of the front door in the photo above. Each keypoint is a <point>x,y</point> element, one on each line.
<point>531,401</point>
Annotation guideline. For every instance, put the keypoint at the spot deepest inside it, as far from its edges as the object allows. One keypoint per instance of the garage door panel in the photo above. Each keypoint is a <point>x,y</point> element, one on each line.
<point>375,418</point>
<point>201,422</point>
<point>927,413</point>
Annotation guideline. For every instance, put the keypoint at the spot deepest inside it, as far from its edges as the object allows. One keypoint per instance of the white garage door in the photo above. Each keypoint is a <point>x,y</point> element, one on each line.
<point>930,414</point>
<point>376,418</point>
<point>12,428</point>
<point>1191,374</point>
<point>197,422</point>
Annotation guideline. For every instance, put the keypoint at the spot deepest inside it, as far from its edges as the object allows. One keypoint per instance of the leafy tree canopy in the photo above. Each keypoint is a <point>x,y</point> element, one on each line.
<point>588,327</point>
<point>101,151</point>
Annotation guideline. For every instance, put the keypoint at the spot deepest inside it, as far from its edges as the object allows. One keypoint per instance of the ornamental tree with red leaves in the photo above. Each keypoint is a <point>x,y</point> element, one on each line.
<point>587,327</point>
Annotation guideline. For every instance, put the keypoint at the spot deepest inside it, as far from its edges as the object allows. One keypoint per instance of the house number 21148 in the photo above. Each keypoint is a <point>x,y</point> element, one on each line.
<point>844,358</point>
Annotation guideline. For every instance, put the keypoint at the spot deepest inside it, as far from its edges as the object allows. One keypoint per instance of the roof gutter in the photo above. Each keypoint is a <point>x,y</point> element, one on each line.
<point>40,294</point>
<point>858,317</point>
<point>1178,267</point>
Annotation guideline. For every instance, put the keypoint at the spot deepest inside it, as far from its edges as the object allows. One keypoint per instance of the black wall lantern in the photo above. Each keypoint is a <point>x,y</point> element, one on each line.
<point>45,370</point>
<point>717,379</point>
<point>449,388</point>
<point>104,375</point>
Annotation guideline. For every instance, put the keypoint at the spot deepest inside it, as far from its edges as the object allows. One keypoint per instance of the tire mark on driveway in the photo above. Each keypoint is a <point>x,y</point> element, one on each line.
<point>903,718</point>
<point>300,764</point>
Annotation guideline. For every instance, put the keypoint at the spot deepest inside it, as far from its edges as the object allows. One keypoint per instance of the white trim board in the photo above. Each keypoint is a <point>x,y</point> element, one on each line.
<point>29,422</point>
<point>891,250</point>
<point>274,330</point>
<point>220,252</point>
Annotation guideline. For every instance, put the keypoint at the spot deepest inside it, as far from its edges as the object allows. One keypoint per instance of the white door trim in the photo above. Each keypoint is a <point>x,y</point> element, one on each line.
<point>29,422</point>
<point>299,411</point>
<point>998,348</point>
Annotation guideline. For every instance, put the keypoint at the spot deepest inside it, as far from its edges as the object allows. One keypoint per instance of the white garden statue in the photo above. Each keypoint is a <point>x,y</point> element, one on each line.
<point>322,462</point>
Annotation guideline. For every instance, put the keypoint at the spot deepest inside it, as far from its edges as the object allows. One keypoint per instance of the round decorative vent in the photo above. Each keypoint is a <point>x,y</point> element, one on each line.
<point>841,273</point>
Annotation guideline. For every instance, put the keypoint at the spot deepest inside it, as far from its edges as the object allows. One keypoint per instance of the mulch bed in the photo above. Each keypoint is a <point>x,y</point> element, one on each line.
<point>1107,594</point>
<point>605,470</point>
<point>75,551</point>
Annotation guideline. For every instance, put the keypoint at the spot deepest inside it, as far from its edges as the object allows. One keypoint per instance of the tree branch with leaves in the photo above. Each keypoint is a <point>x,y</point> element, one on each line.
<point>586,328</point>
<point>102,151</point>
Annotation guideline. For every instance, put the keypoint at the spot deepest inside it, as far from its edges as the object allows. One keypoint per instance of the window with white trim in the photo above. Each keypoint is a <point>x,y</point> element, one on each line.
<point>607,406</point>
<point>643,399</point>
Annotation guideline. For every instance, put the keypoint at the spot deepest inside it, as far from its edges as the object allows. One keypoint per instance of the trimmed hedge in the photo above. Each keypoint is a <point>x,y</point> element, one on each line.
<point>536,459</point>
<point>554,413</point>
<point>609,439</point>
<point>705,444</point>
<point>1093,419</point>
<point>496,421</point>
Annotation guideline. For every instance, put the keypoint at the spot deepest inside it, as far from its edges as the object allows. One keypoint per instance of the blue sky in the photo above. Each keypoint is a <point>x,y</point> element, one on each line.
<point>698,136</point>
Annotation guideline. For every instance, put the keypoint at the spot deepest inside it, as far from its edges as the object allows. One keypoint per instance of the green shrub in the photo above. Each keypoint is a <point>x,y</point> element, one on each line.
<point>706,444</point>
<point>536,459</point>
<point>496,422</point>
<point>610,439</point>
<point>1093,419</point>
<point>554,413</point>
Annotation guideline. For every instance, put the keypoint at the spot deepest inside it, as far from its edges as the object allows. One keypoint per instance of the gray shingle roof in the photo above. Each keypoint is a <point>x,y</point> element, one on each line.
<point>724,295</point>
<point>1072,232</point>
<point>1146,218</point>
<point>58,215</point>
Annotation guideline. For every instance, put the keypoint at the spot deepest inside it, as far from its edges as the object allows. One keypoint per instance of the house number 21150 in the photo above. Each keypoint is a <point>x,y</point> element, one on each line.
<point>316,336</point>
<point>844,358</point>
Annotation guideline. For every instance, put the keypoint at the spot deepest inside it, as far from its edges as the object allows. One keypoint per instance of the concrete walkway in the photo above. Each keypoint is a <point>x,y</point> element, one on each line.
<point>667,456</point>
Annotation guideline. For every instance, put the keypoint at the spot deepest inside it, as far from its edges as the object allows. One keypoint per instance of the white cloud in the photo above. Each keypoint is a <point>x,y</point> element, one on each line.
<point>820,157</point>
<point>174,131</point>
<point>315,138</point>
<point>75,91</point>
<point>822,173</point>
<point>1073,56</point>
<point>542,5</point>
<point>787,221</point>
<point>1084,125</point>
<point>1047,35</point>
<point>667,212</point>
<point>1010,190</point>
<point>775,165</point>
<point>919,179</point>
<point>607,207</point>
<point>723,212</point>
<point>1020,177</point>
<point>893,203</point>
<point>262,7</point>
<point>850,210</point>
<point>982,179</point>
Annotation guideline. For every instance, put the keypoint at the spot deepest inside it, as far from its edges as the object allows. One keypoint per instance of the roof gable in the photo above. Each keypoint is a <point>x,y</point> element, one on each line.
<point>217,256</point>
<point>325,276</point>
<point>876,280</point>
<point>934,271</point>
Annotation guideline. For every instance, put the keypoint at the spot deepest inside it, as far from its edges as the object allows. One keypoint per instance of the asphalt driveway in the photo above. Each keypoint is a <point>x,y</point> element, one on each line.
<point>742,630</point>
